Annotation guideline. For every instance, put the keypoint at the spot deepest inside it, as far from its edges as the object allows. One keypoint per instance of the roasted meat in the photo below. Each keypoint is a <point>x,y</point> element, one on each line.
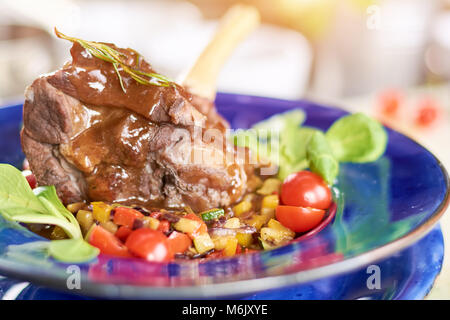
<point>96,139</point>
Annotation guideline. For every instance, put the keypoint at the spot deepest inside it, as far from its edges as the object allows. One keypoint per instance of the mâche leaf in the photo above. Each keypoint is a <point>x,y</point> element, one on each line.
<point>18,202</point>
<point>357,138</point>
<point>16,196</point>
<point>321,159</point>
<point>72,250</point>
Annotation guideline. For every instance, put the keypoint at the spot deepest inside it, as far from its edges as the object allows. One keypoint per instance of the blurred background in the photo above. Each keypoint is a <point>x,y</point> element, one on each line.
<point>388,58</point>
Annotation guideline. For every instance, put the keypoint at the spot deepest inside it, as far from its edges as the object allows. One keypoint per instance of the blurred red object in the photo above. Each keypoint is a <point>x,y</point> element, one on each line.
<point>428,112</point>
<point>389,102</point>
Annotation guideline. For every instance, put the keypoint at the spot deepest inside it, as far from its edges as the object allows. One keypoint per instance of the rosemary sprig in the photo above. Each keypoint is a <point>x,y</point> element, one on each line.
<point>104,52</point>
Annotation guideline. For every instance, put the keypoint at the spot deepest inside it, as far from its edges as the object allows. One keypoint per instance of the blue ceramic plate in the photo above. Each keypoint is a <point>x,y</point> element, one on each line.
<point>382,208</point>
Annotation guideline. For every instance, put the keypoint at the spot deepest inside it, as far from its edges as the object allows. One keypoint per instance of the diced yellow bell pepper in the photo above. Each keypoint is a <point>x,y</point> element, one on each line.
<point>203,243</point>
<point>220,242</point>
<point>244,239</point>
<point>232,223</point>
<point>242,207</point>
<point>274,224</point>
<point>101,211</point>
<point>270,201</point>
<point>268,212</point>
<point>230,248</point>
<point>257,221</point>
<point>269,186</point>
<point>151,223</point>
<point>186,225</point>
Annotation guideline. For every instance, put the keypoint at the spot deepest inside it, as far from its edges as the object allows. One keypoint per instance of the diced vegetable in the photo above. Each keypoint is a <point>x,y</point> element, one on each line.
<point>202,227</point>
<point>242,207</point>
<point>203,243</point>
<point>270,201</point>
<point>85,219</point>
<point>125,216</point>
<point>212,214</point>
<point>74,207</point>
<point>101,211</point>
<point>257,221</point>
<point>179,242</point>
<point>149,244</point>
<point>269,186</point>
<point>187,225</point>
<point>58,233</point>
<point>123,232</point>
<point>230,247</point>
<point>244,239</point>
<point>274,224</point>
<point>164,226</point>
<point>152,223</point>
<point>106,242</point>
<point>232,223</point>
<point>110,226</point>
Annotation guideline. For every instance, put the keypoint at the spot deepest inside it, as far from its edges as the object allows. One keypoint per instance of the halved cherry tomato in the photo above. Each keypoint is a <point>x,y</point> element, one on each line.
<point>299,219</point>
<point>428,112</point>
<point>107,242</point>
<point>202,227</point>
<point>164,226</point>
<point>305,189</point>
<point>179,242</point>
<point>123,232</point>
<point>149,244</point>
<point>126,216</point>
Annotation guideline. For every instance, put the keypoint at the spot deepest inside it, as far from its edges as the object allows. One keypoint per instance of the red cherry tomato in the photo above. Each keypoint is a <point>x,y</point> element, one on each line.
<point>126,216</point>
<point>299,219</point>
<point>179,242</point>
<point>107,242</point>
<point>149,244</point>
<point>390,101</point>
<point>306,189</point>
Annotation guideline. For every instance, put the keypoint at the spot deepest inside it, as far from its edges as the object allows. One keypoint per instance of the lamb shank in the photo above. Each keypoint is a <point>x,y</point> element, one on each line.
<point>98,134</point>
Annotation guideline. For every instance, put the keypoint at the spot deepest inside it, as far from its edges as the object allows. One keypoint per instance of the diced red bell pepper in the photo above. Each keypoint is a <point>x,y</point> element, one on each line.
<point>179,242</point>
<point>123,232</point>
<point>164,226</point>
<point>126,216</point>
<point>202,227</point>
<point>107,242</point>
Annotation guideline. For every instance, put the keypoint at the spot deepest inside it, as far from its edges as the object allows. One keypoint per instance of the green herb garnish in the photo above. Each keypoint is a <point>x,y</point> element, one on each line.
<point>18,202</point>
<point>107,53</point>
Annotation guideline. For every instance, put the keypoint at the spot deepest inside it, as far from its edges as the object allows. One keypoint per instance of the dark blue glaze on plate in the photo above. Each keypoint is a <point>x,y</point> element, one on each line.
<point>383,207</point>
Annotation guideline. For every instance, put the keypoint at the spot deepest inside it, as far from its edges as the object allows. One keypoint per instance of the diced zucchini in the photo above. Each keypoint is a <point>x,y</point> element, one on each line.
<point>101,211</point>
<point>212,214</point>
<point>186,225</point>
<point>203,243</point>
<point>232,223</point>
<point>244,239</point>
<point>273,236</point>
<point>270,201</point>
<point>242,207</point>
<point>266,245</point>
<point>230,248</point>
<point>269,186</point>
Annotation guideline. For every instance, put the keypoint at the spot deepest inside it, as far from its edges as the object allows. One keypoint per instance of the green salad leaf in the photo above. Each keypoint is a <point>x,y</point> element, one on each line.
<point>72,250</point>
<point>284,142</point>
<point>18,202</point>
<point>321,158</point>
<point>357,138</point>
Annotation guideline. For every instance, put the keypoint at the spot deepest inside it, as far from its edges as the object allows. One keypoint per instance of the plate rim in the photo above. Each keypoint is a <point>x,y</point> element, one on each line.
<point>249,286</point>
